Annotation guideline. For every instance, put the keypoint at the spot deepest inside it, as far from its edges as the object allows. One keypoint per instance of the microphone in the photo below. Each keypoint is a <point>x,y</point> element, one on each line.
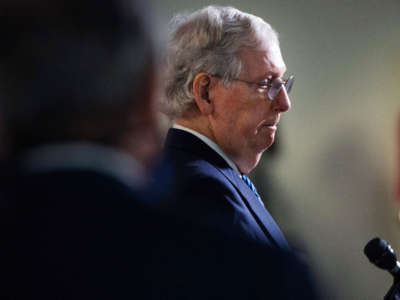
<point>381,254</point>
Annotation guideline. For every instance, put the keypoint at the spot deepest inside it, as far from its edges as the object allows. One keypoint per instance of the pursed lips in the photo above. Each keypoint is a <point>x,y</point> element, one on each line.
<point>272,123</point>
<point>269,125</point>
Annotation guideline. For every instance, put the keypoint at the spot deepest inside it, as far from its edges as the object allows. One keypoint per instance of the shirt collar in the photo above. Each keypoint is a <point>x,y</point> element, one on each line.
<point>210,143</point>
<point>85,156</point>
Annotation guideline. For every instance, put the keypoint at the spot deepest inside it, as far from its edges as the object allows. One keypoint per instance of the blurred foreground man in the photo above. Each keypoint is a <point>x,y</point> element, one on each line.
<point>77,80</point>
<point>226,92</point>
<point>77,88</point>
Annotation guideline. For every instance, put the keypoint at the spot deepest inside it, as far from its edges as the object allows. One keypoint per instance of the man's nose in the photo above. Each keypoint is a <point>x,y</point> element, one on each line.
<point>282,101</point>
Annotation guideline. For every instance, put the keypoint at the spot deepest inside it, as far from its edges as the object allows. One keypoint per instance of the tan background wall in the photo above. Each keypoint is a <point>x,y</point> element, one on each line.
<point>332,181</point>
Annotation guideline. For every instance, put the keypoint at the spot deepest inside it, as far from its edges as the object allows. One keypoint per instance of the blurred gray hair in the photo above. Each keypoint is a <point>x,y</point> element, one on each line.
<point>208,40</point>
<point>67,66</point>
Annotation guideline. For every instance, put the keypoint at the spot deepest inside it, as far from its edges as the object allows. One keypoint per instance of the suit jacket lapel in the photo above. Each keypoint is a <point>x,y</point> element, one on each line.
<point>180,139</point>
<point>263,217</point>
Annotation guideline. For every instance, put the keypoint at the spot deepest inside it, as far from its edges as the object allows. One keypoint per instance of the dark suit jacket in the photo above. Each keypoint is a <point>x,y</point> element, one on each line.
<point>214,194</point>
<point>79,234</point>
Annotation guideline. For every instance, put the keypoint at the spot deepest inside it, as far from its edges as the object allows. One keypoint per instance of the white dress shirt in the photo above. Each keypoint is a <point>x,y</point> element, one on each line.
<point>88,157</point>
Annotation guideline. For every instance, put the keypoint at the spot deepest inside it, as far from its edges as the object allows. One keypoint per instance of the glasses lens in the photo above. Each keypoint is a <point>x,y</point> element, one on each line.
<point>274,89</point>
<point>289,84</point>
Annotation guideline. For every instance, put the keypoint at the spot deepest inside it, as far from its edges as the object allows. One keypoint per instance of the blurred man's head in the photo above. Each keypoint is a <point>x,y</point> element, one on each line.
<point>224,80</point>
<point>76,71</point>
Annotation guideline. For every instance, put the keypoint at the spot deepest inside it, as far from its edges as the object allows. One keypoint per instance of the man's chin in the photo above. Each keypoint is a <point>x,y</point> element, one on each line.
<point>268,142</point>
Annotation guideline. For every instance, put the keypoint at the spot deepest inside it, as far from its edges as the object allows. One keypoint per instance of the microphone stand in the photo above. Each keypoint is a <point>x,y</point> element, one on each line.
<point>394,291</point>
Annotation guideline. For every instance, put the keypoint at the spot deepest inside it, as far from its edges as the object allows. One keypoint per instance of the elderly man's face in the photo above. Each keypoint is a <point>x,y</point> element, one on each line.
<point>244,120</point>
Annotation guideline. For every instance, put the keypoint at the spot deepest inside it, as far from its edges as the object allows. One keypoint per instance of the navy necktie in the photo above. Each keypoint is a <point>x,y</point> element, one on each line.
<point>252,187</point>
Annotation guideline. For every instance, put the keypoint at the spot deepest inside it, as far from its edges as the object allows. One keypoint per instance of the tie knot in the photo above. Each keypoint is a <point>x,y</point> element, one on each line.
<point>245,178</point>
<point>247,181</point>
<point>251,186</point>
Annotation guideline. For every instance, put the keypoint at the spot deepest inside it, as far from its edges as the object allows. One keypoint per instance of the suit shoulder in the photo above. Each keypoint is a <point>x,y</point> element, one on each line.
<point>190,165</point>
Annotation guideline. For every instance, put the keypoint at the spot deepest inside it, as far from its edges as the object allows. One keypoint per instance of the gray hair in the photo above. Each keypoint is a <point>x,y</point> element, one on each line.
<point>208,40</point>
<point>64,64</point>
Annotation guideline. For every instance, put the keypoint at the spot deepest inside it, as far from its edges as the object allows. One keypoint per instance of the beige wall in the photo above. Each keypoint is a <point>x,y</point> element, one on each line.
<point>333,180</point>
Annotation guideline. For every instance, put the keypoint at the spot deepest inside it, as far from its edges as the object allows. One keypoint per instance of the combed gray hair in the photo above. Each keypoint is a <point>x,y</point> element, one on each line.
<point>208,40</point>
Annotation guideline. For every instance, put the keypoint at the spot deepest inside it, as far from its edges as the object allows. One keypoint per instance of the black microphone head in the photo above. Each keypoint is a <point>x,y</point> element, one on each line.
<point>381,254</point>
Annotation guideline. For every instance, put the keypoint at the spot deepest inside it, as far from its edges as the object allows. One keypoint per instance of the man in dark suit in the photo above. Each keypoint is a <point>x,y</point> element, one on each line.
<point>79,130</point>
<point>225,91</point>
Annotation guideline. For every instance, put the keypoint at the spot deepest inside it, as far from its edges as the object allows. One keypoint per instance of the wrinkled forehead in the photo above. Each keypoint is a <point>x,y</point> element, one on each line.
<point>264,61</point>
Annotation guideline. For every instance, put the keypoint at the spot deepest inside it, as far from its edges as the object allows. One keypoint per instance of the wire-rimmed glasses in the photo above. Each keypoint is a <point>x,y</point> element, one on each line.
<point>272,86</point>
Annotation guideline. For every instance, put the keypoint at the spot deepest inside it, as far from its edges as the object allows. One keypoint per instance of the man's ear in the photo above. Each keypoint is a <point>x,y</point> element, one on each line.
<point>201,87</point>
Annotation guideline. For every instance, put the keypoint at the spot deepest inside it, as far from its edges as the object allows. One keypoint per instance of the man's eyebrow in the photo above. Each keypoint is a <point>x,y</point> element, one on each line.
<point>270,75</point>
<point>279,75</point>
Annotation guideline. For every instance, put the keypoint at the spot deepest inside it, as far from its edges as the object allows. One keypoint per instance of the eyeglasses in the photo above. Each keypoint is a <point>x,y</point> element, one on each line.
<point>271,86</point>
